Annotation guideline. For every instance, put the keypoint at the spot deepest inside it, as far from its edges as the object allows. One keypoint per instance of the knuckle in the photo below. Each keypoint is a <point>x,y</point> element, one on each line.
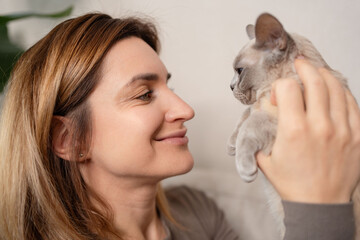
<point>291,83</point>
<point>317,81</point>
<point>295,130</point>
<point>287,83</point>
<point>344,136</point>
<point>324,131</point>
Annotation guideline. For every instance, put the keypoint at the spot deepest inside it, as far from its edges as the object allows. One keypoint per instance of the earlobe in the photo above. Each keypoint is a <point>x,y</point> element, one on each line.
<point>61,137</point>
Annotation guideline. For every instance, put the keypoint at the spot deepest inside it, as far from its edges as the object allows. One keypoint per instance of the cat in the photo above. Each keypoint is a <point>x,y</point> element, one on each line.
<point>268,56</point>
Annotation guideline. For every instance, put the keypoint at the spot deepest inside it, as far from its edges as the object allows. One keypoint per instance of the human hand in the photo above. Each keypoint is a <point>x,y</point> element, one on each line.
<point>316,154</point>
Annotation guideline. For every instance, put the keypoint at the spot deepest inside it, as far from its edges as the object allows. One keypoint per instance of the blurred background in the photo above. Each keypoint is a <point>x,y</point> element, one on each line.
<point>199,42</point>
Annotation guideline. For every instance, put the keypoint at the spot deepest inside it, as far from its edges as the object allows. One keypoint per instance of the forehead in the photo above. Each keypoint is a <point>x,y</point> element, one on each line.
<point>129,57</point>
<point>248,55</point>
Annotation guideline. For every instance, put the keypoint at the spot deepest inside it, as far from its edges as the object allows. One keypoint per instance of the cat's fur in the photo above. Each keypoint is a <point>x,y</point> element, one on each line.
<point>268,56</point>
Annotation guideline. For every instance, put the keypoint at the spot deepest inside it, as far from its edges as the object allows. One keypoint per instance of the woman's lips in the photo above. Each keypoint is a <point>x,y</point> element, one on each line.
<point>177,138</point>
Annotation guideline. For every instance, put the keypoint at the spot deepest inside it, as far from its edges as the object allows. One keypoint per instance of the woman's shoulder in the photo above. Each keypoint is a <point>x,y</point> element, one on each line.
<point>198,213</point>
<point>184,192</point>
<point>190,204</point>
<point>186,197</point>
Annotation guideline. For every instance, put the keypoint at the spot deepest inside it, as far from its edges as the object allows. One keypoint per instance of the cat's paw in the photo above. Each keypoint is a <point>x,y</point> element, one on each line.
<point>231,150</point>
<point>231,145</point>
<point>246,166</point>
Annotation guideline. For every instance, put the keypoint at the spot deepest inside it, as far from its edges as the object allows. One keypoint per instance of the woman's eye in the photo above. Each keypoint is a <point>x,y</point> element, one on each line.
<point>146,97</point>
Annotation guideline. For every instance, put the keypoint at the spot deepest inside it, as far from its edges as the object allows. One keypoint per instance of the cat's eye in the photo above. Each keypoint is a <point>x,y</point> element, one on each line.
<point>239,70</point>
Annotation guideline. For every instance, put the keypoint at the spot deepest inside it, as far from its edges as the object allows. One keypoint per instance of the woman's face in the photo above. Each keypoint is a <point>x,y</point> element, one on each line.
<point>137,121</point>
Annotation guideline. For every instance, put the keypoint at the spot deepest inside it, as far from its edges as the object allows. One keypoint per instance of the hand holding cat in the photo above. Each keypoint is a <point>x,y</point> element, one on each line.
<point>316,154</point>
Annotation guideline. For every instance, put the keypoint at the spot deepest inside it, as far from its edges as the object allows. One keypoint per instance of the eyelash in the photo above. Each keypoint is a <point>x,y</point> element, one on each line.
<point>147,96</point>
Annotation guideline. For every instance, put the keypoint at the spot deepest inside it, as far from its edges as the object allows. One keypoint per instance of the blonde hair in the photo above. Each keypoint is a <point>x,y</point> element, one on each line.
<point>42,195</point>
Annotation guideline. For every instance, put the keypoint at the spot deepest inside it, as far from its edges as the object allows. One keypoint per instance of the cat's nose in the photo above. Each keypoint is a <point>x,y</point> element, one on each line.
<point>232,87</point>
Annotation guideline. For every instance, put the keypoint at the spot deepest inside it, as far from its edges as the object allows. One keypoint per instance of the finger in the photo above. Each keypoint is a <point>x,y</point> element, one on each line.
<point>315,90</point>
<point>353,114</point>
<point>337,98</point>
<point>273,95</point>
<point>264,162</point>
<point>290,102</point>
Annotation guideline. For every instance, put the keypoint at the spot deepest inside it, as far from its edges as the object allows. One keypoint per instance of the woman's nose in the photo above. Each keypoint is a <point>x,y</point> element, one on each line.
<point>178,109</point>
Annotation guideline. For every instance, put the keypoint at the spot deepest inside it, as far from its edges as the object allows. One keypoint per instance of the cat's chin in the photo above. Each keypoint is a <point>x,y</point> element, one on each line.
<point>247,99</point>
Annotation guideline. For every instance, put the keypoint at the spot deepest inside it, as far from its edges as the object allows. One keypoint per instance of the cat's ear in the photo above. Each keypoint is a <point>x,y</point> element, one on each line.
<point>269,33</point>
<point>250,30</point>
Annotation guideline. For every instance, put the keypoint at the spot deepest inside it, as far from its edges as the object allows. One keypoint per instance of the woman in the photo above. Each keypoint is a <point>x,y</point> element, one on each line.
<point>90,128</point>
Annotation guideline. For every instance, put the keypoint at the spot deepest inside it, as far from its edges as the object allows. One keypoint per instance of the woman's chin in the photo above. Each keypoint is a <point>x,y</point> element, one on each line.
<point>188,166</point>
<point>180,167</point>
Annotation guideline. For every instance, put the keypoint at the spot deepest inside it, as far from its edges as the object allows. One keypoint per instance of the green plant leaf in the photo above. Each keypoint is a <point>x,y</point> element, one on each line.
<point>7,60</point>
<point>11,17</point>
<point>9,52</point>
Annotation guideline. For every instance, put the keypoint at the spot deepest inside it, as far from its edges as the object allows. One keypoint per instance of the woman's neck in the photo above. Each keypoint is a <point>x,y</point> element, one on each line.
<point>132,202</point>
<point>135,214</point>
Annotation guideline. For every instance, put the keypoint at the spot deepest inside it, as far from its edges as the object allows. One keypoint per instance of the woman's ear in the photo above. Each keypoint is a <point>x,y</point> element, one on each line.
<point>61,137</point>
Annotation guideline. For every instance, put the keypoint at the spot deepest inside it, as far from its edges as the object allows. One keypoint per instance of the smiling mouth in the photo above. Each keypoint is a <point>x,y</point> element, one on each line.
<point>176,138</point>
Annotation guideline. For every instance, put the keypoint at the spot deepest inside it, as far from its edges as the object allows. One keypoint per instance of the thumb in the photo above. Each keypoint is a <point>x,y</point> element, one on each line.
<point>263,161</point>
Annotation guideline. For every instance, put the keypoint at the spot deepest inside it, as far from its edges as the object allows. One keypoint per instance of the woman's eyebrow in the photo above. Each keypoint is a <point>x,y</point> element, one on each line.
<point>147,77</point>
<point>144,76</point>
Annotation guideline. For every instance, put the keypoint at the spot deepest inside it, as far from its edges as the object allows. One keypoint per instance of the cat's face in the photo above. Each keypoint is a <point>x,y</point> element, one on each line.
<point>257,64</point>
<point>249,76</point>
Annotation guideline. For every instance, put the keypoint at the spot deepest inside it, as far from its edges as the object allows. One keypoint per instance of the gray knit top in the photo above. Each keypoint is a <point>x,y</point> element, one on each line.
<point>201,219</point>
